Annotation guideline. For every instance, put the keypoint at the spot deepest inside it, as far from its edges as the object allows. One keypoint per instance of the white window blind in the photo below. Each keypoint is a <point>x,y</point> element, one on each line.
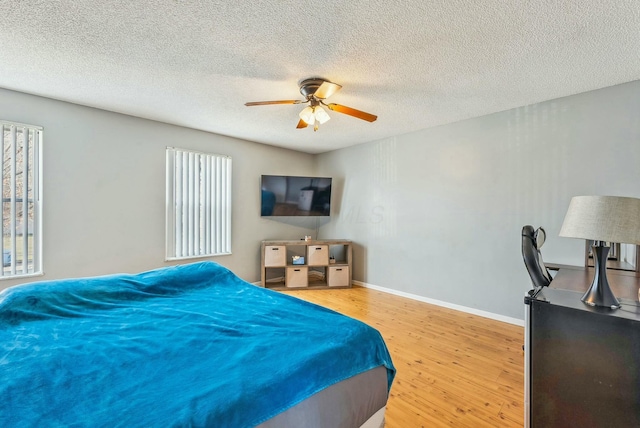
<point>198,204</point>
<point>21,199</point>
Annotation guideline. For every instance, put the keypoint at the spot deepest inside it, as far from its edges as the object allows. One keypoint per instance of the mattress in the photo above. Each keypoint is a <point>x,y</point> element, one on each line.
<point>347,404</point>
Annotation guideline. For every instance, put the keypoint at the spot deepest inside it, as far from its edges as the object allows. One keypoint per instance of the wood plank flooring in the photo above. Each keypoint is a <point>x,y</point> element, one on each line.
<point>453,368</point>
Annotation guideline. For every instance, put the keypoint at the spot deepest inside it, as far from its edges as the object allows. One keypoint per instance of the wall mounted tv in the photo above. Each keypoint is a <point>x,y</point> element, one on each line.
<point>286,196</point>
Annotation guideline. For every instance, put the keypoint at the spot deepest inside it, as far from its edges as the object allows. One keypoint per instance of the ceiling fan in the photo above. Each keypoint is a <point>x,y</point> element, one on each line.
<point>316,90</point>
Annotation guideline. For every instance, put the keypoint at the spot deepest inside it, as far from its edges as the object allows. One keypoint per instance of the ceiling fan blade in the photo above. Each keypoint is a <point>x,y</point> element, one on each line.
<point>301,124</point>
<point>264,103</point>
<point>327,89</point>
<point>352,112</point>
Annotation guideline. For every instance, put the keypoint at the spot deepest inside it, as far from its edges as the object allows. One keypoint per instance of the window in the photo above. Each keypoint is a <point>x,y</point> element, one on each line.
<point>21,200</point>
<point>198,204</point>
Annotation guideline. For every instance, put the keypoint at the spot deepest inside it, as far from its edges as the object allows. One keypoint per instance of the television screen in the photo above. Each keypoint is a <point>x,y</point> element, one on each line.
<point>295,196</point>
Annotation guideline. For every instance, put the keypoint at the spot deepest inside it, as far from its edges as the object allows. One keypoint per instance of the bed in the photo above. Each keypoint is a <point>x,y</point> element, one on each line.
<point>189,345</point>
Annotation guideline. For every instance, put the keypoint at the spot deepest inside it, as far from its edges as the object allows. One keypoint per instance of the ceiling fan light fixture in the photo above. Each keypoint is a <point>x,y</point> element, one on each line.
<point>308,115</point>
<point>321,115</point>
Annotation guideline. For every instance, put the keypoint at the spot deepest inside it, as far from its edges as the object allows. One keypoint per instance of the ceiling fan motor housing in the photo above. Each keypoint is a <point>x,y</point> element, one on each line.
<point>308,87</point>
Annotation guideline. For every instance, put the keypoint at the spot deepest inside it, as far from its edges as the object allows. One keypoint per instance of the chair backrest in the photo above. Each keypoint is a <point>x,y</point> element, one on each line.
<point>532,240</point>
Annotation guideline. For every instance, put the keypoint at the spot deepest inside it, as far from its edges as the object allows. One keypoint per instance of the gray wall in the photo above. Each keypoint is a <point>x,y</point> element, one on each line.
<point>104,189</point>
<point>438,213</point>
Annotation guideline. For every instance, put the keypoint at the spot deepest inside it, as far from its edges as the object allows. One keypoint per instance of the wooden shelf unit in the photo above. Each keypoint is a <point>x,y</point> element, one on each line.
<point>278,272</point>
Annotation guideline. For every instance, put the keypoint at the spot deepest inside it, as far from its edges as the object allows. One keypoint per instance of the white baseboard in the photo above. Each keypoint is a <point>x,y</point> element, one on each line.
<point>448,305</point>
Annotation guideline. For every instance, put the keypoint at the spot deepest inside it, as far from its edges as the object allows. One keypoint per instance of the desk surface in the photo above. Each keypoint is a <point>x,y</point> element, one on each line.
<point>623,284</point>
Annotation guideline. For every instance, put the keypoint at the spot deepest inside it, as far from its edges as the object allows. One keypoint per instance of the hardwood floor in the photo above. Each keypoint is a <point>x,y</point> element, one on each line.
<point>453,368</point>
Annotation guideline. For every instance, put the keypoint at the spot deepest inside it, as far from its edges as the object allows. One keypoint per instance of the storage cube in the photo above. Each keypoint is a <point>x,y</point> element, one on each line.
<point>318,255</point>
<point>275,255</point>
<point>296,277</point>
<point>338,276</point>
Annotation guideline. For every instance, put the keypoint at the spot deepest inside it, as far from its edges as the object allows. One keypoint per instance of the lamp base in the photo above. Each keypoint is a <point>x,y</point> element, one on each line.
<point>600,294</point>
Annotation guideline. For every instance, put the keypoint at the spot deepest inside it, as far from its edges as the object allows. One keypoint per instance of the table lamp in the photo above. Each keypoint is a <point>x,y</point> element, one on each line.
<point>603,219</point>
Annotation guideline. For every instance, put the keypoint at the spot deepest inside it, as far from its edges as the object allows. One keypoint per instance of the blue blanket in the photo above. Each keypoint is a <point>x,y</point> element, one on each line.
<point>190,345</point>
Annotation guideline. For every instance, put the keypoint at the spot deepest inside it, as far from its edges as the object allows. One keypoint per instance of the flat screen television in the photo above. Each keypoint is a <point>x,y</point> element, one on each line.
<point>287,196</point>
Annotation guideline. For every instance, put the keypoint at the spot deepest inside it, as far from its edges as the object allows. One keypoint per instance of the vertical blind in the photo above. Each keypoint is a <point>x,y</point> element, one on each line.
<point>198,204</point>
<point>21,202</point>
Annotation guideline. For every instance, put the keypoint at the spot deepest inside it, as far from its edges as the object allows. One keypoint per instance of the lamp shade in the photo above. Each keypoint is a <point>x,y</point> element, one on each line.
<point>603,218</point>
<point>321,115</point>
<point>307,114</point>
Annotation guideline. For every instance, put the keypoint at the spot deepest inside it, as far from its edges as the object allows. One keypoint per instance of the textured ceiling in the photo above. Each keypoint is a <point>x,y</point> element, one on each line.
<point>414,63</point>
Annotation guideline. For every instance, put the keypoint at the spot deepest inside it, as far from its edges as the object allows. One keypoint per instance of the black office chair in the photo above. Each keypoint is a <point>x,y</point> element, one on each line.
<point>532,240</point>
